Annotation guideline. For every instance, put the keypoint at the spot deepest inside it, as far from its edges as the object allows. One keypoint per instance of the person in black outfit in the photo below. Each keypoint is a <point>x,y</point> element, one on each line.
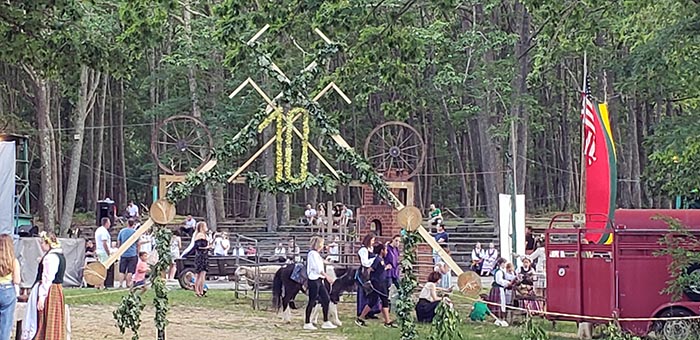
<point>380,288</point>
<point>201,257</point>
<point>529,240</point>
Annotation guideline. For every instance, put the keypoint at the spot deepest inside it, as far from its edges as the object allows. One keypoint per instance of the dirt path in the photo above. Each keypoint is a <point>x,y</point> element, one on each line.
<point>96,322</point>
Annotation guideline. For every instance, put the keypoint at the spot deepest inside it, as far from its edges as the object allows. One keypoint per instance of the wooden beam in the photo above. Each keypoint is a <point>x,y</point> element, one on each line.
<point>259,152</point>
<point>134,237</point>
<point>257,35</point>
<point>251,159</point>
<point>318,154</point>
<point>341,142</point>
<point>323,36</point>
<point>443,255</point>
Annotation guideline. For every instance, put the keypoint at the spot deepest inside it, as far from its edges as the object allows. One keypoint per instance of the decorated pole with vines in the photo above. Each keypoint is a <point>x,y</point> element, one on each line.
<point>158,271</point>
<point>128,313</point>
<point>406,306</point>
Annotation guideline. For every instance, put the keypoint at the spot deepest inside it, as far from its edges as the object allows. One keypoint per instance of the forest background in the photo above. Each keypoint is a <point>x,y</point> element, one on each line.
<point>89,80</point>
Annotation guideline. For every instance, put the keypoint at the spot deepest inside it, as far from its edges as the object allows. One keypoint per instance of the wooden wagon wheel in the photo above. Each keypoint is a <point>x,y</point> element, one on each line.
<point>181,144</point>
<point>396,150</point>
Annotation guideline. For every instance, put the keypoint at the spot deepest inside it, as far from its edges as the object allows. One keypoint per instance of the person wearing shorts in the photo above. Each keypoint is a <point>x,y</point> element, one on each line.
<point>129,259</point>
<point>142,269</point>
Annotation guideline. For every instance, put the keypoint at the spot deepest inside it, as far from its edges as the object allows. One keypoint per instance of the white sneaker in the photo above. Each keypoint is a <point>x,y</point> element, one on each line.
<point>328,325</point>
<point>310,327</point>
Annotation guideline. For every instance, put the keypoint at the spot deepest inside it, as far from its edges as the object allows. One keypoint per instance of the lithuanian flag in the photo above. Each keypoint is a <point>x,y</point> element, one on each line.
<point>601,169</point>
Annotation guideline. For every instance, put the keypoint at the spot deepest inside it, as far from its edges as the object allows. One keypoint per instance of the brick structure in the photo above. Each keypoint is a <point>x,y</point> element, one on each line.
<point>375,215</point>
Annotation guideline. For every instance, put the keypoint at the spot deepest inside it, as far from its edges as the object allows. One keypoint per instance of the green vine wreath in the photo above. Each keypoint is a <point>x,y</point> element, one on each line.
<point>295,94</point>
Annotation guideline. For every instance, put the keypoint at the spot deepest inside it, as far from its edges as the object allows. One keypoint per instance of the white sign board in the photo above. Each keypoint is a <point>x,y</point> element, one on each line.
<point>7,187</point>
<point>505,221</point>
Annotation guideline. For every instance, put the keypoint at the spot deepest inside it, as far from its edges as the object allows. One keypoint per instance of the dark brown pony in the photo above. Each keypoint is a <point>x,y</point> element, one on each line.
<point>284,289</point>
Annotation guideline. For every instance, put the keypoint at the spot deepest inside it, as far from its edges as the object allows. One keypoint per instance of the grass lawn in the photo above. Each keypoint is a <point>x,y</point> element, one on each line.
<point>238,310</point>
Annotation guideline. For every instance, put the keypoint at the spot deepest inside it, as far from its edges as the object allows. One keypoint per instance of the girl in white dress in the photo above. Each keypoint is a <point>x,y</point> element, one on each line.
<point>498,289</point>
<point>490,258</point>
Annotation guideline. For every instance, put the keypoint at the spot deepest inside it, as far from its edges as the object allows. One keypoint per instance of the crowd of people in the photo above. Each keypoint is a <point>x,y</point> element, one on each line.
<point>379,265</point>
<point>340,217</point>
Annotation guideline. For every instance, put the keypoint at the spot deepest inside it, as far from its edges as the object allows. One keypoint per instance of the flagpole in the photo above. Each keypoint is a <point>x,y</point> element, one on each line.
<point>582,181</point>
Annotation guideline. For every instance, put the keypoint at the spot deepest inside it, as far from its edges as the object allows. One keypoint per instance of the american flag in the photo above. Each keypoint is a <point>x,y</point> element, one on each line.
<point>588,114</point>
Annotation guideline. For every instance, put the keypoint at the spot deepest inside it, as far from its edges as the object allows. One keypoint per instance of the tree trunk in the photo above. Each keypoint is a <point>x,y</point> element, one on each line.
<point>283,201</point>
<point>463,181</point>
<point>192,82</point>
<point>120,171</point>
<point>89,80</point>
<point>519,84</point>
<point>41,95</point>
<point>100,131</point>
<point>57,153</point>
<point>270,200</point>
<point>219,201</point>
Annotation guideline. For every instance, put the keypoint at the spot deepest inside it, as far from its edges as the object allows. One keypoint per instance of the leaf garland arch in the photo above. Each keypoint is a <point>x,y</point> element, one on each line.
<point>295,95</point>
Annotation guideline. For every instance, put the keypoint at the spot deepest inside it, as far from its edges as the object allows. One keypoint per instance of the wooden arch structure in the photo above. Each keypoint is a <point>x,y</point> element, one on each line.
<point>165,211</point>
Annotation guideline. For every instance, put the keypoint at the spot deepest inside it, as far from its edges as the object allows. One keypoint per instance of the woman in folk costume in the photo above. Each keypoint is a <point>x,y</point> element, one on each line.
<point>540,258</point>
<point>45,318</point>
<point>490,258</point>
<point>366,255</point>
<point>498,289</point>
<point>477,257</point>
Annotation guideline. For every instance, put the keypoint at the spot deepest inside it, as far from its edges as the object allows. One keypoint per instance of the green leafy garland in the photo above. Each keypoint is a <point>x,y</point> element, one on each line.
<point>677,244</point>
<point>162,237</point>
<point>128,314</point>
<point>295,94</point>
<point>445,323</point>
<point>406,306</point>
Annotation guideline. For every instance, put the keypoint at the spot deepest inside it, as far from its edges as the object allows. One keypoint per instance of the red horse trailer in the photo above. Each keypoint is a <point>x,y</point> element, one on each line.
<point>624,278</point>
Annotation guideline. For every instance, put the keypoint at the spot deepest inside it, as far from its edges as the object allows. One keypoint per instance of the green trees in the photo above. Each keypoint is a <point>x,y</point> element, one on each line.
<point>92,78</point>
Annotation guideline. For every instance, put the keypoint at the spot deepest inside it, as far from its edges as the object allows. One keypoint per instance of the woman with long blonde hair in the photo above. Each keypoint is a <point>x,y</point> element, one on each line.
<point>9,285</point>
<point>45,318</point>
<point>315,271</point>
<point>201,257</point>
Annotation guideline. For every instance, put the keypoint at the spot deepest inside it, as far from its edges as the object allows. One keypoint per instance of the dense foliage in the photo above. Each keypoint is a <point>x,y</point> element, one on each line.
<point>446,322</point>
<point>682,247</point>
<point>128,314</point>
<point>101,74</point>
<point>406,306</point>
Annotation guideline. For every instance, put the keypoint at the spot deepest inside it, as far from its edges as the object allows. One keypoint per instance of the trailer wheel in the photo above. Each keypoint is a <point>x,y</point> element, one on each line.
<point>676,329</point>
<point>693,291</point>
<point>185,279</point>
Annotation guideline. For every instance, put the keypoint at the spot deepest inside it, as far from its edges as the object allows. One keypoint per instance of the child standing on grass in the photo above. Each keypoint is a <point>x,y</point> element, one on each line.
<point>142,269</point>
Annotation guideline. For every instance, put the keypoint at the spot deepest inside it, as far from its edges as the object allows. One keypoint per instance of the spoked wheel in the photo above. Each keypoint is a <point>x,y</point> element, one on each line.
<point>676,329</point>
<point>680,329</point>
<point>181,144</point>
<point>396,150</point>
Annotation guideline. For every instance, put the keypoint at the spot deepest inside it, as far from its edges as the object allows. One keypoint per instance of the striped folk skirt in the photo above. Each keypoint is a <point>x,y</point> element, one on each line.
<point>51,321</point>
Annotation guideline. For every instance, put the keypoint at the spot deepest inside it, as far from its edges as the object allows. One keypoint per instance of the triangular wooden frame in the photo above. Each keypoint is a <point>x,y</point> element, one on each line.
<point>340,141</point>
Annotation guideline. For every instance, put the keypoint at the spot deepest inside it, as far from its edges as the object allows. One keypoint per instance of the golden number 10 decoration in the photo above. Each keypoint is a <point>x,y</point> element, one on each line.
<point>283,156</point>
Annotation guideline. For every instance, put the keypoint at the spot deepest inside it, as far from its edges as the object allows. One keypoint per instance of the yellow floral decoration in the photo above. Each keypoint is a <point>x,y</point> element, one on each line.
<point>283,135</point>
